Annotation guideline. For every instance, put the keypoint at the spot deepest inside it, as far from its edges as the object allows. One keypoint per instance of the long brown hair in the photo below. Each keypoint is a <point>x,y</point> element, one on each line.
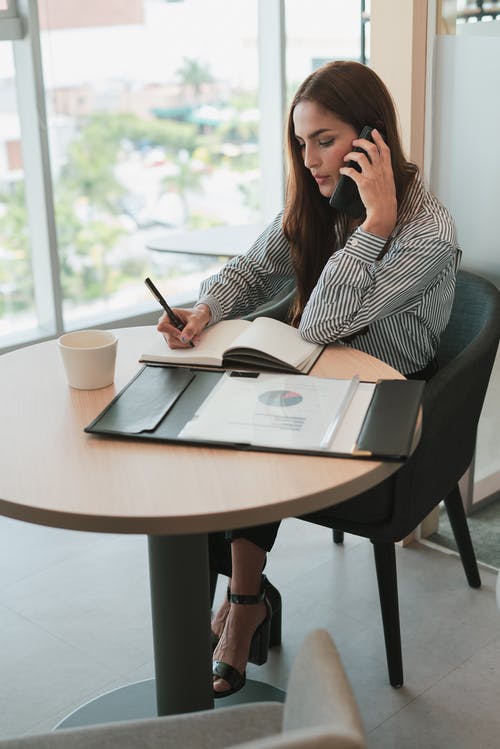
<point>355,94</point>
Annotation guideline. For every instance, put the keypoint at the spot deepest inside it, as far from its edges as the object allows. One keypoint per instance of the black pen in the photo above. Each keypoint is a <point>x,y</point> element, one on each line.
<point>174,319</point>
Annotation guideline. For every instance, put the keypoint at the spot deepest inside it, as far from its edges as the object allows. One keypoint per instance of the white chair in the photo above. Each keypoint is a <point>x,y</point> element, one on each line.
<point>319,713</point>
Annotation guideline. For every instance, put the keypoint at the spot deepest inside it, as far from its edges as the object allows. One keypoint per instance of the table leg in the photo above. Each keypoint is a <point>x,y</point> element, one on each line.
<point>180,599</point>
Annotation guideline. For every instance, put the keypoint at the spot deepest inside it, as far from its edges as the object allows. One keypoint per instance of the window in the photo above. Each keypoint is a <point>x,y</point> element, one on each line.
<point>160,117</point>
<point>155,131</point>
<point>327,31</point>
<point>17,306</point>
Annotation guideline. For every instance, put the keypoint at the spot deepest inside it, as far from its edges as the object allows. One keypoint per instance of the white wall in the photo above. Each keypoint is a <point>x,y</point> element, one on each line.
<point>465,175</point>
<point>465,166</point>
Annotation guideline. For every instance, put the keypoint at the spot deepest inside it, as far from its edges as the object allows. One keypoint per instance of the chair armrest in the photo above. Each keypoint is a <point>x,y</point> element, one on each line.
<point>207,729</point>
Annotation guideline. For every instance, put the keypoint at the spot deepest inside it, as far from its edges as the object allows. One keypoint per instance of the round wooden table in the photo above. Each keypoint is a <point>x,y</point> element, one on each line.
<point>52,473</point>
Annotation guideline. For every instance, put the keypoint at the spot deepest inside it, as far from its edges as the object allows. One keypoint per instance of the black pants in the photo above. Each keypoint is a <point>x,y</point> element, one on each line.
<point>264,536</point>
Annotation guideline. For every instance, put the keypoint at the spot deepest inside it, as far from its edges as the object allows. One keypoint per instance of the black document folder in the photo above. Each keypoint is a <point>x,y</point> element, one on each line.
<point>160,403</point>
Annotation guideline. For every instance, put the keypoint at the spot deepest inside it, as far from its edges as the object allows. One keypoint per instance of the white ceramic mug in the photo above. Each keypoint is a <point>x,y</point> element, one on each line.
<point>89,358</point>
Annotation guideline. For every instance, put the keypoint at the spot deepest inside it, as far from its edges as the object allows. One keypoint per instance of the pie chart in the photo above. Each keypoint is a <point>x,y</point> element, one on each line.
<point>280,398</point>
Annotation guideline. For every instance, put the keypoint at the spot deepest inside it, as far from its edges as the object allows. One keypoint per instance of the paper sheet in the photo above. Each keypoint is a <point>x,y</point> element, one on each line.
<point>289,411</point>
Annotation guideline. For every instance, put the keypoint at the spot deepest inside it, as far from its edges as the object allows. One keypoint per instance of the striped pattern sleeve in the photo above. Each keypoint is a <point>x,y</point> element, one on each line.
<point>354,290</point>
<point>405,298</point>
<point>252,279</point>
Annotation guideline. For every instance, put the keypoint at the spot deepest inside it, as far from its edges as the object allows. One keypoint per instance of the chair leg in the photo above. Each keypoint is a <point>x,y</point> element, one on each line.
<point>338,536</point>
<point>460,528</point>
<point>385,564</point>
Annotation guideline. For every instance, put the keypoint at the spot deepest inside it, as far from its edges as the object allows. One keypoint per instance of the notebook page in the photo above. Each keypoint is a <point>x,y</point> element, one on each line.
<point>277,339</point>
<point>214,340</point>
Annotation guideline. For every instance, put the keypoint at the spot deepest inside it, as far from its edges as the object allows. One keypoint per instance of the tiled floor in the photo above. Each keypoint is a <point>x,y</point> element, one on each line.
<point>75,622</point>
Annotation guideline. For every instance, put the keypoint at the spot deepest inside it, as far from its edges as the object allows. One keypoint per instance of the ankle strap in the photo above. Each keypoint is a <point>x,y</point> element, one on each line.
<point>236,598</point>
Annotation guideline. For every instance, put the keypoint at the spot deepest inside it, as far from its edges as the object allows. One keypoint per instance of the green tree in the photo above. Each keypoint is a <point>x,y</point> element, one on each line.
<point>185,180</point>
<point>194,74</point>
<point>90,168</point>
<point>16,285</point>
<point>89,196</point>
<point>88,199</point>
<point>84,246</point>
<point>127,127</point>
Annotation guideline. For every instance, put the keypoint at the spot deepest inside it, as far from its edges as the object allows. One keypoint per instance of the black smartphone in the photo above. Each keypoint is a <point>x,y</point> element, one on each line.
<point>346,197</point>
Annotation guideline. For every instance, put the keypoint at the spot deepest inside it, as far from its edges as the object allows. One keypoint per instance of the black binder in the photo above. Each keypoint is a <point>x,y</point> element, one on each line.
<point>159,401</point>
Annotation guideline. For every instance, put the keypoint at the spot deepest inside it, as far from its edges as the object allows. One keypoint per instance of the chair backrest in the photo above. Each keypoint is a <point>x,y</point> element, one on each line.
<point>452,403</point>
<point>472,317</point>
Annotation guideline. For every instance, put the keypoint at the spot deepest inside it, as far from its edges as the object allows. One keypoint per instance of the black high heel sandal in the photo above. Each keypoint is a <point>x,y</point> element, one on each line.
<point>259,645</point>
<point>274,597</point>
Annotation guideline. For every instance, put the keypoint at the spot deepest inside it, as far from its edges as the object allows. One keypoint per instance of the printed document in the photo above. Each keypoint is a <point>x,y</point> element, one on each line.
<point>274,410</point>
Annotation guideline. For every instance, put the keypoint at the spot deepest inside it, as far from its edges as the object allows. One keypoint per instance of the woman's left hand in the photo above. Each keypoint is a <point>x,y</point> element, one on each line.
<point>375,183</point>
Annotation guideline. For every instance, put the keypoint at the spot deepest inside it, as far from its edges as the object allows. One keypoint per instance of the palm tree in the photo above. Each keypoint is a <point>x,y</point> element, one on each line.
<point>195,74</point>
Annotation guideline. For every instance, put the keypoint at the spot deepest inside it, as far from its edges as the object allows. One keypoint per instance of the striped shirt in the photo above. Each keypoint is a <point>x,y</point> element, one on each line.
<point>404,298</point>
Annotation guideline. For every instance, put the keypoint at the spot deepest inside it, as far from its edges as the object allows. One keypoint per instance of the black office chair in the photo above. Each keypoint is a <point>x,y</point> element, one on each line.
<point>452,404</point>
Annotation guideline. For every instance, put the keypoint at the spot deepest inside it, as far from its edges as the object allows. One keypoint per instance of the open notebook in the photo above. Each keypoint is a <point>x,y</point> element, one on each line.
<point>264,344</point>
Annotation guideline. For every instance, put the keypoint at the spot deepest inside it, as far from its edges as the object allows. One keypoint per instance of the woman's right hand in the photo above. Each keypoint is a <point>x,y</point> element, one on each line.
<point>375,183</point>
<point>195,320</point>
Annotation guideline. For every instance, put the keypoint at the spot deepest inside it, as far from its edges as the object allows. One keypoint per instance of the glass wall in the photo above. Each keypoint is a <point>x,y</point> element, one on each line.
<point>327,30</point>
<point>153,127</point>
<point>153,122</point>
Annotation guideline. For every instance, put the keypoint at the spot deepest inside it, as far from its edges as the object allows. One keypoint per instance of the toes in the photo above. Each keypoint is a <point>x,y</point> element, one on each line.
<point>220,685</point>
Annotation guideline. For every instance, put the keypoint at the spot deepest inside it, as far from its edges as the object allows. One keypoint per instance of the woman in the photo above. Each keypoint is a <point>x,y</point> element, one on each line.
<point>382,282</point>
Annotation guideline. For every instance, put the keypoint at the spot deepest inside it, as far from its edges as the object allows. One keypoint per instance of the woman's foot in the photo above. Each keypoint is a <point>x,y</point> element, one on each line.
<point>241,622</point>
<point>219,621</point>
